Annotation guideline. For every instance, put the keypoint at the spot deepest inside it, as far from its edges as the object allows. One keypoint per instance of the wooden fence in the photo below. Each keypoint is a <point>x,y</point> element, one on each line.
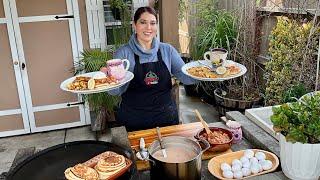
<point>268,10</point>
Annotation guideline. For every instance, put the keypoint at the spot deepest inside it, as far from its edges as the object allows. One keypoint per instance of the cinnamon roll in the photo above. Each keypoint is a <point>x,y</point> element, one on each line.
<point>81,172</point>
<point>109,165</point>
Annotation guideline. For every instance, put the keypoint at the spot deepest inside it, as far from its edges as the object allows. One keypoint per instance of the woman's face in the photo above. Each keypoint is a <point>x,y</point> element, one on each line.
<point>146,27</point>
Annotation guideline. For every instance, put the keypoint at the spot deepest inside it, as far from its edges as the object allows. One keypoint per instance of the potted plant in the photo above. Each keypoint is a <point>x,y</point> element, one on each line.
<point>102,104</point>
<point>299,126</point>
<point>213,29</point>
<point>118,8</point>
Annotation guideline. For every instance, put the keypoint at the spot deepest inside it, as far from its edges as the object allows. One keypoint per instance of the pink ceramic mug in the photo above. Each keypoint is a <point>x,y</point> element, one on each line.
<point>116,68</point>
<point>236,130</point>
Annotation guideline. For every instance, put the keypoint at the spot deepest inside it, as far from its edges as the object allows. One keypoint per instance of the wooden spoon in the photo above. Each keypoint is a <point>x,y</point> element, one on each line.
<point>205,125</point>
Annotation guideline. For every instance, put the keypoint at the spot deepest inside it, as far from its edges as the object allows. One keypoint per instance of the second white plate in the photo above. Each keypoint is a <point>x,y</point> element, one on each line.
<point>197,64</point>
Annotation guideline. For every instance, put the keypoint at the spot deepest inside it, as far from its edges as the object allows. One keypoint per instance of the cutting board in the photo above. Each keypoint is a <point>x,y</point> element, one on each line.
<point>186,130</point>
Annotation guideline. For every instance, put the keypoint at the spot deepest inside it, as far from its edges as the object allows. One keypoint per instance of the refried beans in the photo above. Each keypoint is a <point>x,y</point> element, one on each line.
<point>216,137</point>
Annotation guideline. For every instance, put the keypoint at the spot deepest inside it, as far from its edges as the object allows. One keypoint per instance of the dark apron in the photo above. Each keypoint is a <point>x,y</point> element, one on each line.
<point>147,103</point>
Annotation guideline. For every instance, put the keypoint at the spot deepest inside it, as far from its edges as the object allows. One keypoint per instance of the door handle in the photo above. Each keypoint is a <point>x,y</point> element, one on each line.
<point>61,17</point>
<point>23,65</point>
<point>73,104</point>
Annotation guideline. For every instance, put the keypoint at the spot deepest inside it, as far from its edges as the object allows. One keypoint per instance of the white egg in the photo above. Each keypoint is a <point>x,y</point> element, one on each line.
<point>248,153</point>
<point>246,165</point>
<point>260,168</point>
<point>253,160</point>
<point>261,161</point>
<point>236,161</point>
<point>244,159</point>
<point>266,165</point>
<point>255,168</point>
<point>260,156</point>
<point>236,167</point>
<point>225,167</point>
<point>227,174</point>
<point>246,171</point>
<point>238,174</point>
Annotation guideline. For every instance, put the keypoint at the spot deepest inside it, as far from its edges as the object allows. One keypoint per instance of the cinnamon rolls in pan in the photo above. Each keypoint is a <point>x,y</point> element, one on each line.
<point>110,165</point>
<point>101,167</point>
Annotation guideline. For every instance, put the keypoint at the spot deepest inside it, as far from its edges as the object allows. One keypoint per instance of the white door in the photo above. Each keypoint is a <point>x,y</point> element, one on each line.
<point>48,41</point>
<point>13,109</point>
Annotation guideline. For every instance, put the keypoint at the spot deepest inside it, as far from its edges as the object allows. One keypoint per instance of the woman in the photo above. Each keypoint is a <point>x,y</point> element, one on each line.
<point>146,100</point>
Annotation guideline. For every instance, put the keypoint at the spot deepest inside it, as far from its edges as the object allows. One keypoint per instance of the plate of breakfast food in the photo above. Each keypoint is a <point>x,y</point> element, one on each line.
<point>204,70</point>
<point>94,82</point>
<point>107,165</point>
<point>243,164</point>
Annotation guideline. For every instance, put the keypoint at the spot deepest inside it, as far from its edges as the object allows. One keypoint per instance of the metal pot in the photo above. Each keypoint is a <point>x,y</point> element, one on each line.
<point>188,169</point>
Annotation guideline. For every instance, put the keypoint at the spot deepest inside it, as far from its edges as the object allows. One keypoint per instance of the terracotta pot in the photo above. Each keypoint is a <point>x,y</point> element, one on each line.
<point>217,147</point>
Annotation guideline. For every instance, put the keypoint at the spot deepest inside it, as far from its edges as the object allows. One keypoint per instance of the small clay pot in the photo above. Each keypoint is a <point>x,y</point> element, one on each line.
<point>217,147</point>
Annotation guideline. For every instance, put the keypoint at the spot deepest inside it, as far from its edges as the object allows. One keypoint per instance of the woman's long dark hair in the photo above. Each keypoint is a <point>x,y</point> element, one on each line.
<point>142,10</point>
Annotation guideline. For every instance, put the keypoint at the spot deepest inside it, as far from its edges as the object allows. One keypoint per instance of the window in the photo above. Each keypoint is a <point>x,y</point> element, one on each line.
<point>112,19</point>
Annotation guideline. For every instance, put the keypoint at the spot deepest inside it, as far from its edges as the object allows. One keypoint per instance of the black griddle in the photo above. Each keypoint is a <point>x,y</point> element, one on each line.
<point>51,163</point>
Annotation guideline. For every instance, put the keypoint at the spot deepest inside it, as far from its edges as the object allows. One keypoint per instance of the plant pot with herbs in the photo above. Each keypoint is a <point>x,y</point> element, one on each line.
<point>299,126</point>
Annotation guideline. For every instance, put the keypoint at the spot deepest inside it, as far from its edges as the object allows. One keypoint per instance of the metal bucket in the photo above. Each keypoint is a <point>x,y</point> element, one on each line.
<point>188,169</point>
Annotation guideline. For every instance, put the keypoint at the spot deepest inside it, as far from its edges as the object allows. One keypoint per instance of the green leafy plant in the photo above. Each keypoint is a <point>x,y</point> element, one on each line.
<point>91,60</point>
<point>299,121</point>
<point>120,9</point>
<point>102,104</point>
<point>117,4</point>
<point>293,93</point>
<point>214,28</point>
<point>182,10</point>
<point>292,49</point>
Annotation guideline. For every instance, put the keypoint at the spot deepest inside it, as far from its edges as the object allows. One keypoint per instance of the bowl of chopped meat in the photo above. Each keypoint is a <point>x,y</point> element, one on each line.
<point>220,139</point>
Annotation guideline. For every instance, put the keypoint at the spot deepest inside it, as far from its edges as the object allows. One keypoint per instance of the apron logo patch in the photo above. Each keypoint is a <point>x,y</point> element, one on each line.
<point>151,78</point>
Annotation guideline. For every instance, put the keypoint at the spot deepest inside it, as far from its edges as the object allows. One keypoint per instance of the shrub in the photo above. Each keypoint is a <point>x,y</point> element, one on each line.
<point>299,121</point>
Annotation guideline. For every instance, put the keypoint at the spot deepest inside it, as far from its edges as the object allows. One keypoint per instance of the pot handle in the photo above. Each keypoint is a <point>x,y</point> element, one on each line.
<point>146,158</point>
<point>206,143</point>
<point>151,161</point>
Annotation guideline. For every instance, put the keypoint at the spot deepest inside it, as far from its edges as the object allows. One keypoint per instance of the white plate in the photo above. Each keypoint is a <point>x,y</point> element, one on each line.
<point>197,64</point>
<point>128,77</point>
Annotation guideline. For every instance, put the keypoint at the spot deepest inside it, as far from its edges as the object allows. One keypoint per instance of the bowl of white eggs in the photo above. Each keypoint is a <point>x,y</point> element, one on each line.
<point>243,164</point>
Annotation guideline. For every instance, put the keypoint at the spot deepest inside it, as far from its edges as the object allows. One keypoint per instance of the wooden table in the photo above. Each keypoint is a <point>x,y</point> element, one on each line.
<point>254,137</point>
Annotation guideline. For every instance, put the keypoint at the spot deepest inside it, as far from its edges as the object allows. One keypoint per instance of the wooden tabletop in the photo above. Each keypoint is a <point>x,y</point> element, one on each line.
<point>250,140</point>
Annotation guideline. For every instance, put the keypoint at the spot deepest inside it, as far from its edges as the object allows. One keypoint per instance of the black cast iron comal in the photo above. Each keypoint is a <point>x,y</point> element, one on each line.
<point>51,163</point>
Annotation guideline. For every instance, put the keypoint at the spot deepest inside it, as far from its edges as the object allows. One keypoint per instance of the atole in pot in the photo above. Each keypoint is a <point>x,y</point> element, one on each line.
<point>183,161</point>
